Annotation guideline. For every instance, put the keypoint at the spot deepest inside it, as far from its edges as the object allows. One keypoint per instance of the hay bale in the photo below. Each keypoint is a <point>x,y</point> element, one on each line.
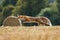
<point>12,21</point>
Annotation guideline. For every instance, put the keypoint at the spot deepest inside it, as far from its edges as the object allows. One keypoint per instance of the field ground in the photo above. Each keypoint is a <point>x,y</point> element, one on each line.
<point>30,33</point>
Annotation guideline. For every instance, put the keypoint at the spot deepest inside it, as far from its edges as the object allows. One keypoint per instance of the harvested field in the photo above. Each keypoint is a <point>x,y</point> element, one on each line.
<point>30,33</point>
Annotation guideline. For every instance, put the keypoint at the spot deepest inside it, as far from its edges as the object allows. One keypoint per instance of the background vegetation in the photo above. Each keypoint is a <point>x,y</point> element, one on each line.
<point>47,8</point>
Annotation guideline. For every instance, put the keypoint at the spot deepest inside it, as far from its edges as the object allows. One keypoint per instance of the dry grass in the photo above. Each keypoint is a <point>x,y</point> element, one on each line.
<point>30,33</point>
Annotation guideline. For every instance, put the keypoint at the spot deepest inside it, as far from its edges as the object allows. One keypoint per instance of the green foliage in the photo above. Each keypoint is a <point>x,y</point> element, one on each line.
<point>1,17</point>
<point>43,11</point>
<point>9,2</point>
<point>58,1</point>
<point>57,21</point>
<point>58,5</point>
<point>30,7</point>
<point>1,8</point>
<point>7,11</point>
<point>1,2</point>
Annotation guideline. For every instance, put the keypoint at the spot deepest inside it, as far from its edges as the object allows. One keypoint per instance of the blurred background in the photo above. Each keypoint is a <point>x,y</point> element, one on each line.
<point>47,8</point>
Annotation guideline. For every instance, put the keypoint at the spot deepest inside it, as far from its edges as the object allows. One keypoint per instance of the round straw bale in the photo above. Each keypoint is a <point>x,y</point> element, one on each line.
<point>12,21</point>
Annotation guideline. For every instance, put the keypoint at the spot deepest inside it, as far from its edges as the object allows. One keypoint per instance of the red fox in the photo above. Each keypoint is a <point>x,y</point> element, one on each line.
<point>41,20</point>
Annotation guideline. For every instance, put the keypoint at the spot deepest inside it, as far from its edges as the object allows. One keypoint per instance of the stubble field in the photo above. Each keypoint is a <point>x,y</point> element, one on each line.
<point>30,33</point>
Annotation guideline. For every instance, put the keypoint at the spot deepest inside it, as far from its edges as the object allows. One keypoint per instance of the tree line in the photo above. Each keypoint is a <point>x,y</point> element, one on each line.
<point>45,8</point>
